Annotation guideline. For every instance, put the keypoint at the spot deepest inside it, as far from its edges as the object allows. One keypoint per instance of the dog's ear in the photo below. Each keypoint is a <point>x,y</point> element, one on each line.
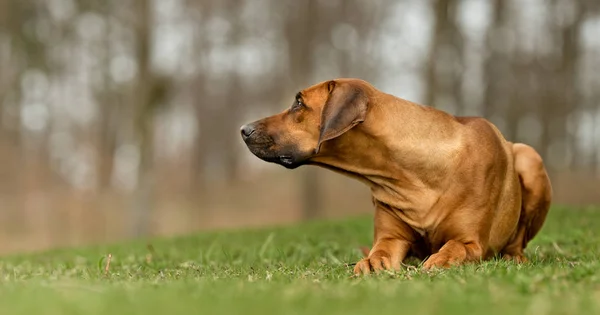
<point>346,107</point>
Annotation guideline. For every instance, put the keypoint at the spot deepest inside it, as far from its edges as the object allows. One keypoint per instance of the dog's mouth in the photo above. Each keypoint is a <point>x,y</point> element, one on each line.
<point>264,151</point>
<point>286,159</point>
<point>265,148</point>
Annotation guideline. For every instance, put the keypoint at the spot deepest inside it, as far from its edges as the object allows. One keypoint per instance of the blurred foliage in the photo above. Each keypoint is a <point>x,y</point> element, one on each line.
<point>121,117</point>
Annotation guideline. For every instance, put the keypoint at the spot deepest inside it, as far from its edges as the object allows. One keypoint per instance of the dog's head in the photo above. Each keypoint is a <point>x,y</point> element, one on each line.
<point>320,113</point>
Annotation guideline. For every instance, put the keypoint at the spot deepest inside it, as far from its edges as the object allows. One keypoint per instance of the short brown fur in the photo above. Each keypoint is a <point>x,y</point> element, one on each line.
<point>447,189</point>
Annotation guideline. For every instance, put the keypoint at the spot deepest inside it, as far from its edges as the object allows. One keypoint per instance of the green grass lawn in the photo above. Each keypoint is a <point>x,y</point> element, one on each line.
<point>303,270</point>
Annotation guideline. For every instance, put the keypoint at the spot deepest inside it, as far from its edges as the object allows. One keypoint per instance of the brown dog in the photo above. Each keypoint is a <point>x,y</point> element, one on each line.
<point>448,188</point>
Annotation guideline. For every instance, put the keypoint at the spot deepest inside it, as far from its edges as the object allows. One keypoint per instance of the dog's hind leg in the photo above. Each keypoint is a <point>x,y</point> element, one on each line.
<point>536,198</point>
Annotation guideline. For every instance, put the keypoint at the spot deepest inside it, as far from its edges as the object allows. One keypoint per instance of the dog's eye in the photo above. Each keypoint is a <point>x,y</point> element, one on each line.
<point>297,104</point>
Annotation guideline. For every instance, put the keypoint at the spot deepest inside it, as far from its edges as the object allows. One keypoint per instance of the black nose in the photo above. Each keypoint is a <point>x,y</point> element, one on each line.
<point>247,130</point>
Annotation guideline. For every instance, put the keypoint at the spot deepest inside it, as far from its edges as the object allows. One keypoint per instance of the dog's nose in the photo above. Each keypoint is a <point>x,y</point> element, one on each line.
<point>247,130</point>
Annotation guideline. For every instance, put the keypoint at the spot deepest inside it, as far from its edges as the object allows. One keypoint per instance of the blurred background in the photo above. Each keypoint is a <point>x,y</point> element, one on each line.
<point>120,118</point>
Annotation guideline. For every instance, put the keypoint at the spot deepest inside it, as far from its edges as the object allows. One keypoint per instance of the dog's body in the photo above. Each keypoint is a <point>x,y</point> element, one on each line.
<point>444,187</point>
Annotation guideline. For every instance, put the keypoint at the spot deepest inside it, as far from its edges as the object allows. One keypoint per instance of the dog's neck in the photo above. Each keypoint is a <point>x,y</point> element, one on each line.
<point>424,143</point>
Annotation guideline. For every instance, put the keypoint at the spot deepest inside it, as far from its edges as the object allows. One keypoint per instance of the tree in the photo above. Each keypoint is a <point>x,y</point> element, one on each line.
<point>300,33</point>
<point>143,118</point>
<point>444,72</point>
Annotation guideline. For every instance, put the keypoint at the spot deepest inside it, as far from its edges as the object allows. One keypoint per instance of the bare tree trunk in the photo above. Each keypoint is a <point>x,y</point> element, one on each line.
<point>231,121</point>
<point>4,77</point>
<point>570,61</point>
<point>12,23</point>
<point>233,105</point>
<point>447,48</point>
<point>300,34</point>
<point>497,62</point>
<point>200,146</point>
<point>108,114</point>
<point>558,101</point>
<point>201,98</point>
<point>143,203</point>
<point>595,154</point>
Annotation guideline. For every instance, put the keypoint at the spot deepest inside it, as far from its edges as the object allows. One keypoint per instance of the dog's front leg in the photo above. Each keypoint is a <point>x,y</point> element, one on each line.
<point>392,243</point>
<point>454,253</point>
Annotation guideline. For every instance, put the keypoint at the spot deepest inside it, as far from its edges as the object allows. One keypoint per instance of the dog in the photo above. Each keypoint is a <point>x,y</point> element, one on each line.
<point>448,190</point>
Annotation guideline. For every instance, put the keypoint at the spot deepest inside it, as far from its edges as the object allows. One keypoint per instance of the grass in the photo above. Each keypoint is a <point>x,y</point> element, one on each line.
<point>302,270</point>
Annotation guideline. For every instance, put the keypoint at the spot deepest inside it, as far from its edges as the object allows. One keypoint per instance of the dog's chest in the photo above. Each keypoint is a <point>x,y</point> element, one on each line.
<point>410,208</point>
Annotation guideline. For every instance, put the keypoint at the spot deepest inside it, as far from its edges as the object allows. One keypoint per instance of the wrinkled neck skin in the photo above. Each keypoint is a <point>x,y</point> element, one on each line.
<point>391,151</point>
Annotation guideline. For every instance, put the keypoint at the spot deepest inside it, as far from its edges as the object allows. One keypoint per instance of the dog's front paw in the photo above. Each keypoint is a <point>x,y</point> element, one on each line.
<point>377,262</point>
<point>519,259</point>
<point>438,260</point>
